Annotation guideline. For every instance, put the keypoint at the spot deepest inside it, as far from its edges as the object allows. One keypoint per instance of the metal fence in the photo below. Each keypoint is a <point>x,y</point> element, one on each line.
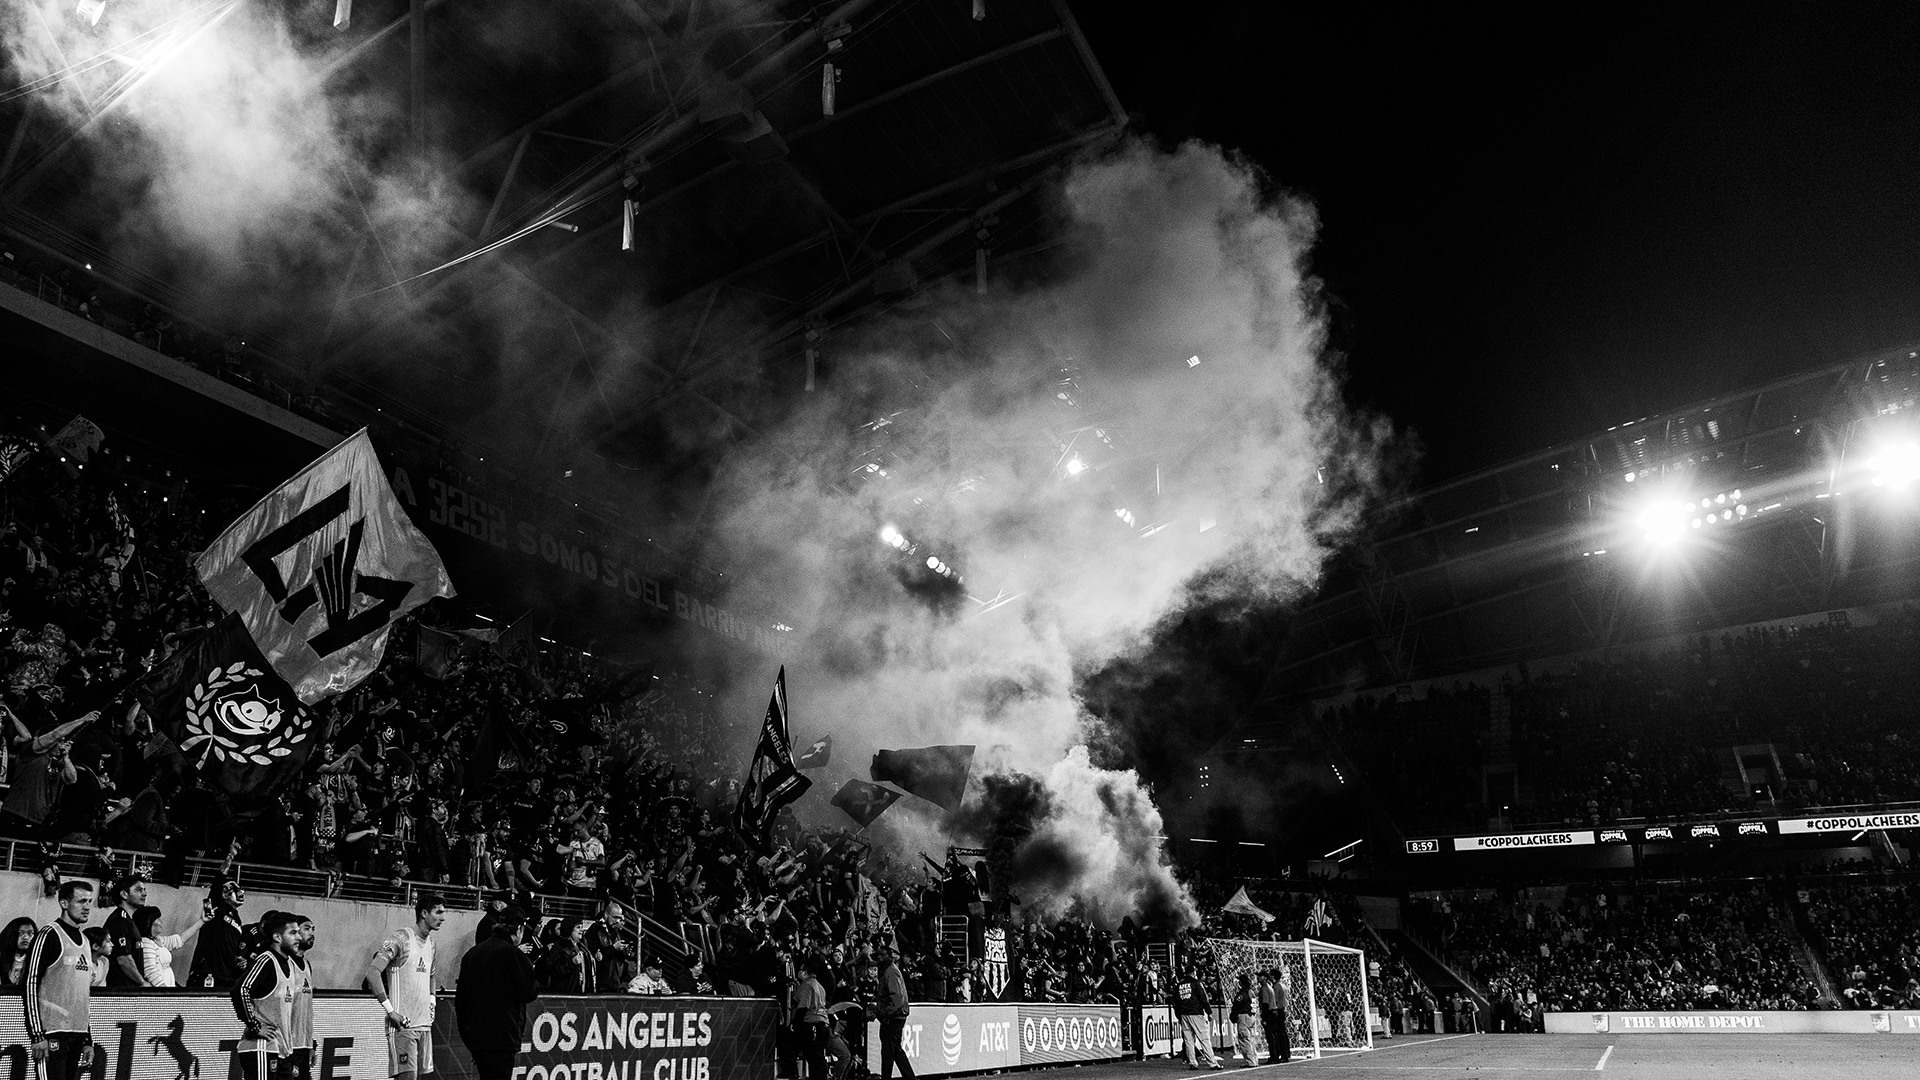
<point>73,861</point>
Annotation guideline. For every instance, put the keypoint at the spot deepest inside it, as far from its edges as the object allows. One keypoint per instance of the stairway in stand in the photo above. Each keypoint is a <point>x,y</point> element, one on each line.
<point>1809,960</point>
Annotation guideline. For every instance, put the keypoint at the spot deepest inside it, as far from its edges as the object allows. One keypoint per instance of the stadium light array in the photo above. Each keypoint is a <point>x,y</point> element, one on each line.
<point>1666,520</point>
<point>1896,467</point>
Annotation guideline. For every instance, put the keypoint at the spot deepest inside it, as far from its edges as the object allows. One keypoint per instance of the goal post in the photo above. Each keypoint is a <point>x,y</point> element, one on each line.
<point>1327,1002</point>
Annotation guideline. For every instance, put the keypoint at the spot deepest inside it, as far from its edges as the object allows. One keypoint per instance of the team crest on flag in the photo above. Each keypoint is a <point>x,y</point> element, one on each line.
<point>234,719</point>
<point>239,724</point>
<point>321,567</point>
<point>994,960</point>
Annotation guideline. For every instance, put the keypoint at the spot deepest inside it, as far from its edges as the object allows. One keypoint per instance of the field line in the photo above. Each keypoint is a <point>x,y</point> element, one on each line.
<point>1603,1060</point>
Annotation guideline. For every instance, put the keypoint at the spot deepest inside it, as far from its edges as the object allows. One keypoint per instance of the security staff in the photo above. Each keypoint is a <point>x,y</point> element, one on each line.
<point>496,983</point>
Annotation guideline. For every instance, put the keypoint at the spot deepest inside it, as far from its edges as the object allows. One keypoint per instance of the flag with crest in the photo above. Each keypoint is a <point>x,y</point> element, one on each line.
<point>236,721</point>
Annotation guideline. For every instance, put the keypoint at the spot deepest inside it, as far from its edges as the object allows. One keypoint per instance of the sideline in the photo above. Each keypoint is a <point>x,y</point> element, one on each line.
<point>1603,1060</point>
<point>1342,1055</point>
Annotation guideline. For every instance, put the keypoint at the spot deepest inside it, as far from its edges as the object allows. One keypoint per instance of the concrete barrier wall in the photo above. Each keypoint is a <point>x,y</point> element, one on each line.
<point>346,931</point>
<point>1735,1022</point>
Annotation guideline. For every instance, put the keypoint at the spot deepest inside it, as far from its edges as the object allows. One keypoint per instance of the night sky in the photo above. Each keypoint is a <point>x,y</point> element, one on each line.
<point>1537,223</point>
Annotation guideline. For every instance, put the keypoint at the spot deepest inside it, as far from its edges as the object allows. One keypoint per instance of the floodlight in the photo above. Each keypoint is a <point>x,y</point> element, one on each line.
<point>1630,477</point>
<point>889,535</point>
<point>1895,466</point>
<point>933,563</point>
<point>1664,522</point>
<point>1075,467</point>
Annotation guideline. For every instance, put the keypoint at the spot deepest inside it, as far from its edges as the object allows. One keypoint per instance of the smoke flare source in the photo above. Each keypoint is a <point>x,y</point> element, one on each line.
<point>1083,478</point>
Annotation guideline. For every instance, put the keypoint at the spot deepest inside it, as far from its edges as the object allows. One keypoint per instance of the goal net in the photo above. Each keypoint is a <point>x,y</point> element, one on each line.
<point>1326,990</point>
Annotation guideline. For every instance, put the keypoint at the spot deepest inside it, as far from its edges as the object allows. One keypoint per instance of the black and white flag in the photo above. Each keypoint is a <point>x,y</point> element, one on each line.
<point>772,780</point>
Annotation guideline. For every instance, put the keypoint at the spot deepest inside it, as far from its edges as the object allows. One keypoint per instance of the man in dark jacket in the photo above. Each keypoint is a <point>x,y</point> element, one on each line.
<point>496,983</point>
<point>221,958</point>
<point>1190,1003</point>
<point>892,1007</point>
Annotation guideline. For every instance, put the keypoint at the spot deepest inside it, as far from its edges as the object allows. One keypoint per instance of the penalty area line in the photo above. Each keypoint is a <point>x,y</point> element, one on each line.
<point>1601,1067</point>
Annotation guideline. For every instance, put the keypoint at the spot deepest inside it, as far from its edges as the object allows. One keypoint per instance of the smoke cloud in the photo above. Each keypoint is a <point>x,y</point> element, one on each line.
<point>1156,427</point>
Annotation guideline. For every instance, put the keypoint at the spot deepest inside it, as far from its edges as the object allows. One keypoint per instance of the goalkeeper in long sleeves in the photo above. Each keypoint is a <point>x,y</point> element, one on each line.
<point>274,1002</point>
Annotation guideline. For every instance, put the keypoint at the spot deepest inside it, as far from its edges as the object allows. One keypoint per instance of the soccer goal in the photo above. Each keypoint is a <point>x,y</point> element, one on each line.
<point>1327,1004</point>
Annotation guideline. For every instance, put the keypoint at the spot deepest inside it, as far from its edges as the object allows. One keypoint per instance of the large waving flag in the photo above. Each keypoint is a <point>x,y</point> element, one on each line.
<point>817,755</point>
<point>1242,904</point>
<point>937,774</point>
<point>238,723</point>
<point>772,780</point>
<point>864,802</point>
<point>319,569</point>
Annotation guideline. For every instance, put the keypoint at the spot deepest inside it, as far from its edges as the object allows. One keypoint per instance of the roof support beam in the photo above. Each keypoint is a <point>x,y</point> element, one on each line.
<point>1072,26</point>
<point>1047,153</point>
<point>506,182</point>
<point>353,55</point>
<point>855,109</point>
<point>417,74</point>
<point>840,296</point>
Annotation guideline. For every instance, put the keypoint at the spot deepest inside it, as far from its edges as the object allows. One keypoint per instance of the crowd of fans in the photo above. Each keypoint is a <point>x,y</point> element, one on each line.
<point>96,586</point>
<point>1613,949</point>
<point>1871,938</point>
<point>1829,704</point>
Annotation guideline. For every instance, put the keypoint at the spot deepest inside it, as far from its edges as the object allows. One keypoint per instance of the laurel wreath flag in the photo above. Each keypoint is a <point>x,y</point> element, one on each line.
<point>201,703</point>
<point>232,716</point>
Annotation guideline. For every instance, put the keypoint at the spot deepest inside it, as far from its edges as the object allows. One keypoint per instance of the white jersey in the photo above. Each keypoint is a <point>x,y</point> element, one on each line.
<point>407,960</point>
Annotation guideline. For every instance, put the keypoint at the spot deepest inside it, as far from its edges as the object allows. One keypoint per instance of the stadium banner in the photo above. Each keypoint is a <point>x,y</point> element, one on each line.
<point>1521,841</point>
<point>624,1037</point>
<point>1159,1035</point>
<point>1850,823</point>
<point>940,1039</point>
<point>1730,1022</point>
<point>1058,1034</point>
<point>168,1034</point>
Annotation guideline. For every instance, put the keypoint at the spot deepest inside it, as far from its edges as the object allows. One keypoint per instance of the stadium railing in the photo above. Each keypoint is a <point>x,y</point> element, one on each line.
<point>76,861</point>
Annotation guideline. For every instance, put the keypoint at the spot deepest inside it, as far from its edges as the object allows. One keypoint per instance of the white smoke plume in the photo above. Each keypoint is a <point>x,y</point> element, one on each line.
<point>1158,426</point>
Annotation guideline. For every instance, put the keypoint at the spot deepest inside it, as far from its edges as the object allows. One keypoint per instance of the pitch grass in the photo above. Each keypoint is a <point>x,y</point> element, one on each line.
<point>1632,1057</point>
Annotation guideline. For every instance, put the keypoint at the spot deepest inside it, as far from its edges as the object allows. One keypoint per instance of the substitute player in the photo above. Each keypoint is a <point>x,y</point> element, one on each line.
<point>400,974</point>
<point>59,984</point>
<point>274,1001</point>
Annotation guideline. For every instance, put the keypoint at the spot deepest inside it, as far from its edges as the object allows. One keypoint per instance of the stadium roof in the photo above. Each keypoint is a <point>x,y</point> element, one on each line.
<point>1550,553</point>
<point>760,223</point>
